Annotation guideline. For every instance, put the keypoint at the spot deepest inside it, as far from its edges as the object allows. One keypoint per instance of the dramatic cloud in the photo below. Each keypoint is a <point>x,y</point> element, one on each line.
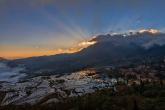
<point>53,24</point>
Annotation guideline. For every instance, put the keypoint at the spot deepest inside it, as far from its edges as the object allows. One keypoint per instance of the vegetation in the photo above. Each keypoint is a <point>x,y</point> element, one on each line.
<point>146,96</point>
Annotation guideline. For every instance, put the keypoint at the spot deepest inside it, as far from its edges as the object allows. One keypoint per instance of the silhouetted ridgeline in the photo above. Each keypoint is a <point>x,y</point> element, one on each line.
<point>114,50</point>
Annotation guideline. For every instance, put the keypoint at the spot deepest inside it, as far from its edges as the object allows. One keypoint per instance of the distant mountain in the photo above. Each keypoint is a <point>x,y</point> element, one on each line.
<point>3,59</point>
<point>110,50</point>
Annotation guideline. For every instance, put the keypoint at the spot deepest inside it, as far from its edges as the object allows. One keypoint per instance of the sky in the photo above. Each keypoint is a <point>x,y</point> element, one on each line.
<point>45,27</point>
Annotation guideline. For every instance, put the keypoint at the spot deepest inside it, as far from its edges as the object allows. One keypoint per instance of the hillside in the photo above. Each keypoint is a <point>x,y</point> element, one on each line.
<point>110,50</point>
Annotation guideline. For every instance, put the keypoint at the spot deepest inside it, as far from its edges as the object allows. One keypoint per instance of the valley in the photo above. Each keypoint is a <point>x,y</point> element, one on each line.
<point>114,63</point>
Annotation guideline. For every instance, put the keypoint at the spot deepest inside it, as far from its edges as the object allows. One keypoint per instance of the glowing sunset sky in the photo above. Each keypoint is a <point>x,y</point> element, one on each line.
<point>45,27</point>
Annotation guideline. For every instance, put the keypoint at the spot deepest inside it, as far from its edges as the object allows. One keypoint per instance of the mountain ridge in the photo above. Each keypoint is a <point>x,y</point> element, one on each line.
<point>108,50</point>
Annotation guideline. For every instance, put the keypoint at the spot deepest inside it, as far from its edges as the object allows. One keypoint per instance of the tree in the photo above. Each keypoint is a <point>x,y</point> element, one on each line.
<point>135,105</point>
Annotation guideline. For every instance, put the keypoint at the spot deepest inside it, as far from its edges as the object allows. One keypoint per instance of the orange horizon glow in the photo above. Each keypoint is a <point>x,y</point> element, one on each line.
<point>25,53</point>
